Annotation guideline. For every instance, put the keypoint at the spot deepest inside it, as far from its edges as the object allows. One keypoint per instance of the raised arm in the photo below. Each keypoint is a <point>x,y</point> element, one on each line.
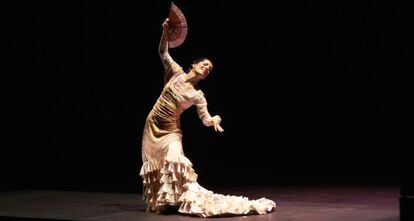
<point>204,115</point>
<point>163,47</point>
<point>171,67</point>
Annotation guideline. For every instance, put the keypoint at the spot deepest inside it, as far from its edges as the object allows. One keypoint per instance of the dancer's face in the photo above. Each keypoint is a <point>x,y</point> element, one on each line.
<point>203,68</point>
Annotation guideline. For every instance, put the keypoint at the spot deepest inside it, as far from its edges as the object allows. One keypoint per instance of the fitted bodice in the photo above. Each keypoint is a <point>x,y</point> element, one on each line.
<point>174,99</point>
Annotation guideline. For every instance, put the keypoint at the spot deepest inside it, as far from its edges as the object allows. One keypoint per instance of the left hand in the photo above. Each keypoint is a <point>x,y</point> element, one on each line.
<point>216,123</point>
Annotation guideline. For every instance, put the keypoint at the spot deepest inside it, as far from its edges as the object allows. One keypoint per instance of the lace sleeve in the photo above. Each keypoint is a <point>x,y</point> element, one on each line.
<point>171,67</point>
<point>201,103</point>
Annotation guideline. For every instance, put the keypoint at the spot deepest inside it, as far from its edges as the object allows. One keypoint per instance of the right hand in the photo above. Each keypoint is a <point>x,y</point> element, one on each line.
<point>166,25</point>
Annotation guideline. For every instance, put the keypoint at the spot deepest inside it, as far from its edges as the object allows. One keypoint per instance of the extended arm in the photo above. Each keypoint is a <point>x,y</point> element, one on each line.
<point>205,116</point>
<point>171,67</point>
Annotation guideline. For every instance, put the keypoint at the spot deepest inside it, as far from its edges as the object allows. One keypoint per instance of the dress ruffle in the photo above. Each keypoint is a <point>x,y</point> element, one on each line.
<point>164,186</point>
<point>197,200</point>
<point>176,184</point>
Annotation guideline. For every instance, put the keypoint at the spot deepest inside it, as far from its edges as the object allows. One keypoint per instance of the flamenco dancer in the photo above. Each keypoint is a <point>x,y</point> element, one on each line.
<point>169,180</point>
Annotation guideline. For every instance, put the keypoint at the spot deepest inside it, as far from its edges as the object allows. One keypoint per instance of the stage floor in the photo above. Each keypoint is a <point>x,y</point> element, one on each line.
<point>302,203</point>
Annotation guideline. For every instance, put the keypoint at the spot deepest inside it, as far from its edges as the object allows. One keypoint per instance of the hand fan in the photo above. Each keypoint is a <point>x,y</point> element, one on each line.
<point>178,27</point>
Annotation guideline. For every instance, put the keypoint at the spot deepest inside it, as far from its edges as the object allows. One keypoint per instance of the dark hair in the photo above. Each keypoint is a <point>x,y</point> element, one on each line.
<point>198,61</point>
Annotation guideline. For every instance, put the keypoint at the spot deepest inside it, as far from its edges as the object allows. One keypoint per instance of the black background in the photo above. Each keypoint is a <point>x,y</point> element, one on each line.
<point>309,91</point>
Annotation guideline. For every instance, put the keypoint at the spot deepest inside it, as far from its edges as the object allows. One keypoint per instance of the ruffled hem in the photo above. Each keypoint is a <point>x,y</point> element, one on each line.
<point>196,200</point>
<point>164,186</point>
<point>176,184</point>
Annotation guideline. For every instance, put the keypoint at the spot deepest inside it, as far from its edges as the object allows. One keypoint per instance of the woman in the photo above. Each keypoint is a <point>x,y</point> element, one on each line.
<point>168,176</point>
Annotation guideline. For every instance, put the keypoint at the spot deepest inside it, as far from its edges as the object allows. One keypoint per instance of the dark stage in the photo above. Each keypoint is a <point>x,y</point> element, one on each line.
<point>311,203</point>
<point>316,100</point>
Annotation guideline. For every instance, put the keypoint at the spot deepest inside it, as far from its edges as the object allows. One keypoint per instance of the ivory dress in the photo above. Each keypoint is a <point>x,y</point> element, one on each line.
<point>168,176</point>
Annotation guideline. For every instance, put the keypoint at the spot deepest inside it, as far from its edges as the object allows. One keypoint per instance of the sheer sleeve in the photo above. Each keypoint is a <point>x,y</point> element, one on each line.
<point>201,104</point>
<point>171,67</point>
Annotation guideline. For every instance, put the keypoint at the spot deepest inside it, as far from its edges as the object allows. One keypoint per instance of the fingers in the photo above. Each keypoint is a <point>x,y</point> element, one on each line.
<point>165,24</point>
<point>216,123</point>
<point>218,128</point>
